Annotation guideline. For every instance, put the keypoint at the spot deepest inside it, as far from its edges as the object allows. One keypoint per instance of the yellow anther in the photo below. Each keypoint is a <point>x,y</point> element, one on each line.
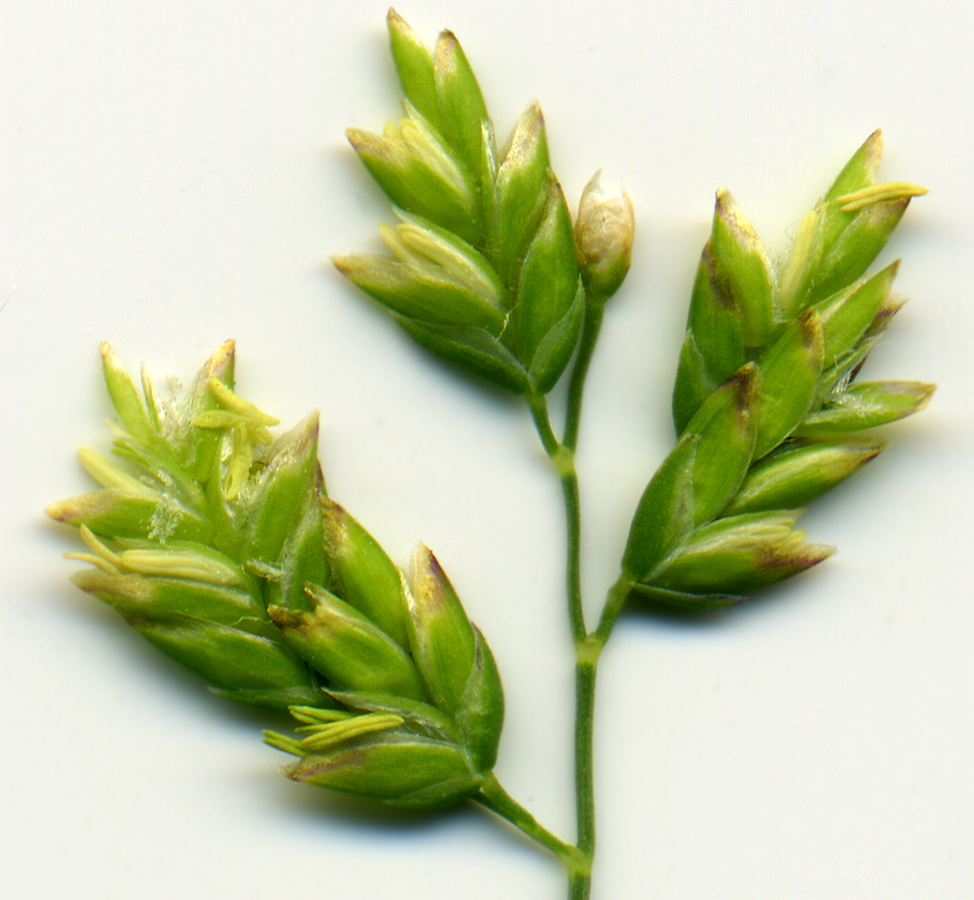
<point>800,259</point>
<point>188,564</point>
<point>231,402</point>
<point>96,561</point>
<point>336,732</point>
<point>100,551</point>
<point>107,474</point>
<point>878,193</point>
<point>248,426</point>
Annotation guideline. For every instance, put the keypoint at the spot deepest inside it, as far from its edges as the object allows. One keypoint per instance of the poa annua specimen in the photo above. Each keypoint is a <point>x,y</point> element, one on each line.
<point>220,544</point>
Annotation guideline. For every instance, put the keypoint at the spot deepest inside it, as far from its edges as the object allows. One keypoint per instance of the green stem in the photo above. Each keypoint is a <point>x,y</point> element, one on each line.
<point>594,311</point>
<point>586,669</point>
<point>613,606</point>
<point>497,800</point>
<point>586,665</point>
<point>587,648</point>
<point>538,404</point>
<point>563,459</point>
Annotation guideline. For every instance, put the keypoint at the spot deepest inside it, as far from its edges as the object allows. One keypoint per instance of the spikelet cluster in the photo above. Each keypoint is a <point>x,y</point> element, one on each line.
<point>219,544</point>
<point>482,266</point>
<point>767,404</point>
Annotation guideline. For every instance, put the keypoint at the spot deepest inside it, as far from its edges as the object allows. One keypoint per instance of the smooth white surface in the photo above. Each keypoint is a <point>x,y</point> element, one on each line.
<point>175,173</point>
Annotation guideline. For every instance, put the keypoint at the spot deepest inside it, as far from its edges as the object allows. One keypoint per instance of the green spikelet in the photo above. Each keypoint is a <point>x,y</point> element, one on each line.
<point>217,543</point>
<point>800,337</point>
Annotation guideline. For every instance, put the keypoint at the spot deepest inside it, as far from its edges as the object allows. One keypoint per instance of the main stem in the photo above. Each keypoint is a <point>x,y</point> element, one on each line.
<point>586,666</point>
<point>587,646</point>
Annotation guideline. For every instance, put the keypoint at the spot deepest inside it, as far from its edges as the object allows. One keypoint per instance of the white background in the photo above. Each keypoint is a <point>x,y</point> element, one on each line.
<point>175,173</point>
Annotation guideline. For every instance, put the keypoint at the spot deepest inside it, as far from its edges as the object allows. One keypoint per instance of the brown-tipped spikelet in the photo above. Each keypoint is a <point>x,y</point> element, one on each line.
<point>716,521</point>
